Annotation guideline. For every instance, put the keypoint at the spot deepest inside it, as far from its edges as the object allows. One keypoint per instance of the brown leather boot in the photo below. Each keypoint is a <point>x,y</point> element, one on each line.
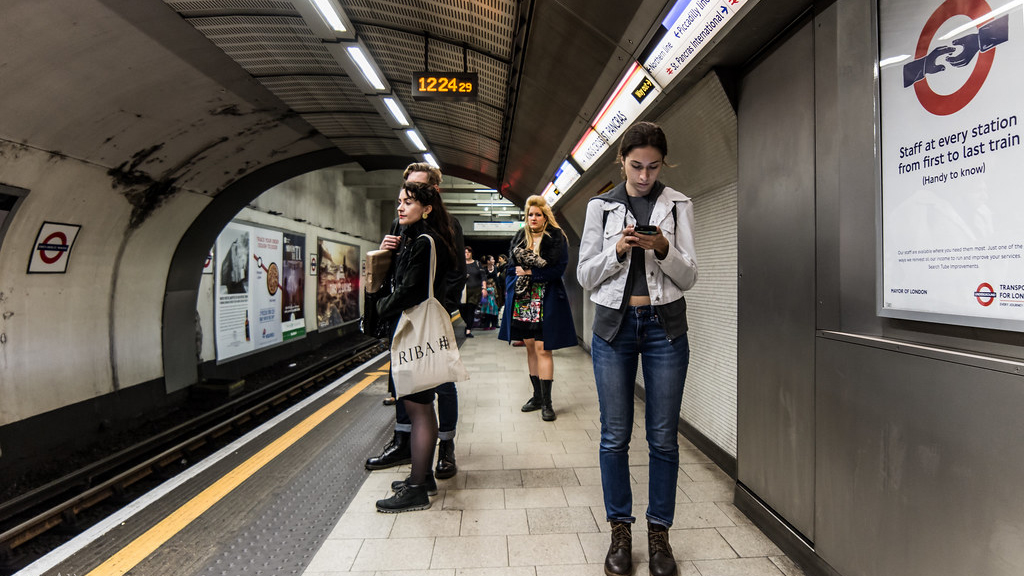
<point>662,561</point>
<point>619,561</point>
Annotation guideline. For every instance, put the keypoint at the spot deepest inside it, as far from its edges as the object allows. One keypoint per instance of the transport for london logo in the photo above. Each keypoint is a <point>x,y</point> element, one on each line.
<point>959,52</point>
<point>985,294</point>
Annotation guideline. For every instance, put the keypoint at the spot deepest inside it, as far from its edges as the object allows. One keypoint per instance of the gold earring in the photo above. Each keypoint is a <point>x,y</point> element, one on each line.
<point>425,214</point>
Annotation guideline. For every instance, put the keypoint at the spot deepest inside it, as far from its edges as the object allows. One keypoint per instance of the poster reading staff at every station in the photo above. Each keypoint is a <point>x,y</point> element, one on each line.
<point>952,107</point>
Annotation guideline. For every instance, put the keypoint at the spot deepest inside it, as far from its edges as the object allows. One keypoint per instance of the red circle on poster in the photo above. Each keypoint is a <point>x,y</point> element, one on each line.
<point>985,294</point>
<point>944,105</point>
<point>50,240</point>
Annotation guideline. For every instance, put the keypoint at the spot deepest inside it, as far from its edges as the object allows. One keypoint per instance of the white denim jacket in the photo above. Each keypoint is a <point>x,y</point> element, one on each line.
<point>599,268</point>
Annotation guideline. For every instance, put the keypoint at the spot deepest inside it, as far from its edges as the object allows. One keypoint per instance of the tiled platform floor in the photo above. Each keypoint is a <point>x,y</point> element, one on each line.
<point>527,498</point>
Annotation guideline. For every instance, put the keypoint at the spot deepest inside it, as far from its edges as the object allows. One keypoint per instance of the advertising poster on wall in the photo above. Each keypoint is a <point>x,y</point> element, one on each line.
<point>952,102</point>
<point>265,286</point>
<point>337,288</point>
<point>293,284</point>
<point>231,301</point>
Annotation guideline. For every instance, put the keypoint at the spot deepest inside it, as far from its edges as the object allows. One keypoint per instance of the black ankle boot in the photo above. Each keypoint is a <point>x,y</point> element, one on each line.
<point>619,560</point>
<point>446,467</point>
<point>537,401</point>
<point>547,413</point>
<point>662,561</point>
<point>395,453</point>
<point>407,498</point>
<point>430,483</point>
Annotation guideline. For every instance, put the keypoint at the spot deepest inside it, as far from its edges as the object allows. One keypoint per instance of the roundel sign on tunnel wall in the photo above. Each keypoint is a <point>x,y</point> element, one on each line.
<point>52,249</point>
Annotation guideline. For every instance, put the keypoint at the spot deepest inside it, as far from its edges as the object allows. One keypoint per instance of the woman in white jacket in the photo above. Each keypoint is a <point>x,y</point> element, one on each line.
<point>637,258</point>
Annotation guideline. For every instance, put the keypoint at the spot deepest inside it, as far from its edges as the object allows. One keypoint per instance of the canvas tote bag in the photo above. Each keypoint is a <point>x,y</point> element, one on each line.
<point>423,352</point>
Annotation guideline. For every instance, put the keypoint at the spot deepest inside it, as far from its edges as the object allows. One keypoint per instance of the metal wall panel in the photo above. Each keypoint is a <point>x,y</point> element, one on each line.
<point>775,374</point>
<point>920,464</point>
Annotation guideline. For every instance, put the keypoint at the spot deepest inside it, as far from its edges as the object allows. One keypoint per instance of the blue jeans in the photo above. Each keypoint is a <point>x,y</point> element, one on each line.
<point>664,366</point>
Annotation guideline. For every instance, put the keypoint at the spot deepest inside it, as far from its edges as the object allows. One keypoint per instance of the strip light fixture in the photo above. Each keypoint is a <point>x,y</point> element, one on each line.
<point>356,53</point>
<point>357,60</point>
<point>327,10</point>
<point>416,141</point>
<point>396,111</point>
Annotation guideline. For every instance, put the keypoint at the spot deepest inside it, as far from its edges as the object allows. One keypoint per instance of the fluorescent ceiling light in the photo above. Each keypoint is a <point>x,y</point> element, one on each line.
<point>415,139</point>
<point>978,21</point>
<point>396,111</point>
<point>429,158</point>
<point>327,10</point>
<point>365,67</point>
<point>486,190</point>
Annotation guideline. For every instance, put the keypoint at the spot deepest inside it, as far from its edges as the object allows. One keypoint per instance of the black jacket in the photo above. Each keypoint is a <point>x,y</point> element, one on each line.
<point>412,273</point>
<point>455,276</point>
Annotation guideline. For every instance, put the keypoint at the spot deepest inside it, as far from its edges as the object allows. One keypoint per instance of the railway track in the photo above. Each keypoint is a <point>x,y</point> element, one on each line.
<point>60,505</point>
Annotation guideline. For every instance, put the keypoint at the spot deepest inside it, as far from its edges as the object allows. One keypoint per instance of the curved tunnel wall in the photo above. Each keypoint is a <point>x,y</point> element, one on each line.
<point>180,361</point>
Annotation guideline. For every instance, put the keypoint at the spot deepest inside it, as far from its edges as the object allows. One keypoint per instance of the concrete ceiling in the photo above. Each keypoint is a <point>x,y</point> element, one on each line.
<point>193,95</point>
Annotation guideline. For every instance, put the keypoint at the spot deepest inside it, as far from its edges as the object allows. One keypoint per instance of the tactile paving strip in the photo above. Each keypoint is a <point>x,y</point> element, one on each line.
<point>287,534</point>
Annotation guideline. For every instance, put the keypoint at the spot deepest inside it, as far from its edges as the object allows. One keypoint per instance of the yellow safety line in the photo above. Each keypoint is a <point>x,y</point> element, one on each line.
<point>137,551</point>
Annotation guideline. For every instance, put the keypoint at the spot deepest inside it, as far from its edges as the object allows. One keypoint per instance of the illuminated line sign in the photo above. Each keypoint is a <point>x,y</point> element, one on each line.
<point>687,29</point>
<point>550,194</point>
<point>631,97</point>
<point>566,177</point>
<point>589,149</point>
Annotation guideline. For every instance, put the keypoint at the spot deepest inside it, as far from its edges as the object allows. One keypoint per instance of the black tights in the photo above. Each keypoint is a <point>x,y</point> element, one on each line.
<point>422,439</point>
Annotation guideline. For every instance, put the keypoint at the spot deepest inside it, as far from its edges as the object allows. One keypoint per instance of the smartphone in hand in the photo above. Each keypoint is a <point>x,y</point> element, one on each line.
<point>646,230</point>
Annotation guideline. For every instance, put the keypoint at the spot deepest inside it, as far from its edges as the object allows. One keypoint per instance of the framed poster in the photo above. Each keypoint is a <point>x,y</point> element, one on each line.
<point>250,286</point>
<point>337,285</point>
<point>952,103</point>
<point>232,303</point>
<point>293,286</point>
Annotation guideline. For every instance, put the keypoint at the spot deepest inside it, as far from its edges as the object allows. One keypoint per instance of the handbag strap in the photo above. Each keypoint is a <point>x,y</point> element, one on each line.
<point>433,264</point>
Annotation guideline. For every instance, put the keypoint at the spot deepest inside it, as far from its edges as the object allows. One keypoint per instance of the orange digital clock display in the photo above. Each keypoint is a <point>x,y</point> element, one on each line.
<point>445,86</point>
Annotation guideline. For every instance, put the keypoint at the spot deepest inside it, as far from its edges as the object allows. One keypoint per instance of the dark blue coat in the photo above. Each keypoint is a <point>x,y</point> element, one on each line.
<point>558,327</point>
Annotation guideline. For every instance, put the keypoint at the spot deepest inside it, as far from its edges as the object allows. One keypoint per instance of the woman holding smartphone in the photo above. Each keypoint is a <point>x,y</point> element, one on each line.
<point>637,259</point>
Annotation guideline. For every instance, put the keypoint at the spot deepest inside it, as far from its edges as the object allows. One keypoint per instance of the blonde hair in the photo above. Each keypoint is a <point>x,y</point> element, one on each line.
<point>532,242</point>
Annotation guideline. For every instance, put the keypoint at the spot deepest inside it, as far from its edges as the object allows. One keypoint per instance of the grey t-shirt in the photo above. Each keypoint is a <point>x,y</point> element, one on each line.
<point>641,208</point>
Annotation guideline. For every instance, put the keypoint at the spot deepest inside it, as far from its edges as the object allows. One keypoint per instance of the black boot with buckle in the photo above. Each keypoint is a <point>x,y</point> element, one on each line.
<point>537,401</point>
<point>446,467</point>
<point>662,561</point>
<point>619,561</point>
<point>395,453</point>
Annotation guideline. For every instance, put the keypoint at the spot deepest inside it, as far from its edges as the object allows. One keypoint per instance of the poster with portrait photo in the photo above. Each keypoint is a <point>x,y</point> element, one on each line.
<point>337,288</point>
<point>231,302</point>
<point>293,284</point>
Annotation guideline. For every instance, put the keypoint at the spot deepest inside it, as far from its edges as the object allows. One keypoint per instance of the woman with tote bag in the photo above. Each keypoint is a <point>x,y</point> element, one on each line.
<point>427,238</point>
